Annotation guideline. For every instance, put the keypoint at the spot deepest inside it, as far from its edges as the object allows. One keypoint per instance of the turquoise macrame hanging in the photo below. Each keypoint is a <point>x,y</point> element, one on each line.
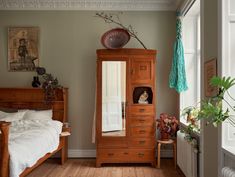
<point>177,79</point>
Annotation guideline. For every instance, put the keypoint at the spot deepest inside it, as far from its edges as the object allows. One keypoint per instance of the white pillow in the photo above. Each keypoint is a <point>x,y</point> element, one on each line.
<point>10,117</point>
<point>23,110</point>
<point>38,115</point>
<point>3,114</point>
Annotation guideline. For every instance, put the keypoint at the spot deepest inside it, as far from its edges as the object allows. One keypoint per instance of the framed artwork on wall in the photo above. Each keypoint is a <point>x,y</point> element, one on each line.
<point>210,70</point>
<point>23,48</point>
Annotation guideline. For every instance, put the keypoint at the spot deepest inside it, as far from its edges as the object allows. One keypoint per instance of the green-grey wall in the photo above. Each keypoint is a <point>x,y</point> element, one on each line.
<point>210,49</point>
<point>68,43</point>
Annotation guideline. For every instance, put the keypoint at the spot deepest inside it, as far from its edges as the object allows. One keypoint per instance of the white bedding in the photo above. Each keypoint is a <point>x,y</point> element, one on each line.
<point>30,140</point>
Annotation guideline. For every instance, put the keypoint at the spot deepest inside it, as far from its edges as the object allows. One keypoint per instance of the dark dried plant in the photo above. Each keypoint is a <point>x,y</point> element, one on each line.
<point>49,84</point>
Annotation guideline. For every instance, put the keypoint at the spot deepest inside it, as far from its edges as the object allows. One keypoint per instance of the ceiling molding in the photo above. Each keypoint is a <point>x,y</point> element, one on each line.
<point>97,5</point>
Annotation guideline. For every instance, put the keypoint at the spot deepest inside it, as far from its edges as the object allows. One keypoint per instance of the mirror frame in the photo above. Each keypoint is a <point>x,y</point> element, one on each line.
<point>100,59</point>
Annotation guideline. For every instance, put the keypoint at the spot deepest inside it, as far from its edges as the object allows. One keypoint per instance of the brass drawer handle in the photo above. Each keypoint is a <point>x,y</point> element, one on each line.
<point>143,67</point>
<point>142,131</point>
<point>142,142</point>
<point>110,154</point>
<point>140,154</point>
<point>141,110</point>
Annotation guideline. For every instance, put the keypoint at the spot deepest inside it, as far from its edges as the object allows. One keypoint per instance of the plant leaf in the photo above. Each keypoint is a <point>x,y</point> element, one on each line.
<point>223,83</point>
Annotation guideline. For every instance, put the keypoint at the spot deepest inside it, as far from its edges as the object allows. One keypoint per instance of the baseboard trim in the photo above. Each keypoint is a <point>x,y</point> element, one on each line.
<point>91,153</point>
<point>78,153</point>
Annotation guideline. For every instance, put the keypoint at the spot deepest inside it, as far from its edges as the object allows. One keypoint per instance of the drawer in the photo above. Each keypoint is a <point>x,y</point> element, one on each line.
<point>141,121</point>
<point>142,142</point>
<point>142,131</point>
<point>126,155</point>
<point>118,154</point>
<point>113,143</point>
<point>141,110</point>
<point>141,155</point>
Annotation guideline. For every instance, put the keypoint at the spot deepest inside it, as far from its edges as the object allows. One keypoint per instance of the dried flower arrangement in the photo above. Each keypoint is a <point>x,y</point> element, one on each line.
<point>168,126</point>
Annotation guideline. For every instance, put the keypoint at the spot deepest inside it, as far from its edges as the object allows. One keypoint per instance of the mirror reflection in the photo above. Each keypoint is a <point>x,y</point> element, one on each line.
<point>113,98</point>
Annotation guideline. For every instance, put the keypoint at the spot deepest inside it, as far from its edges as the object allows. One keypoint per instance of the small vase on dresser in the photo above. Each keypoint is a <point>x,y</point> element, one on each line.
<point>36,82</point>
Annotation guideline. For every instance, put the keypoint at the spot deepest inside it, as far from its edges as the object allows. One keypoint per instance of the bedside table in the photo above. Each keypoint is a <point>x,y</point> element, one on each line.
<point>66,131</point>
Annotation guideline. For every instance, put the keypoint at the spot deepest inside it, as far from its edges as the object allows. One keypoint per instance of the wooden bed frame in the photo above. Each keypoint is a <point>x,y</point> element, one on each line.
<point>31,98</point>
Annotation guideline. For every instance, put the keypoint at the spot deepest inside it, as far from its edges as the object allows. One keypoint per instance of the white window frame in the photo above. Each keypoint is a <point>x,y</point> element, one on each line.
<point>196,54</point>
<point>228,132</point>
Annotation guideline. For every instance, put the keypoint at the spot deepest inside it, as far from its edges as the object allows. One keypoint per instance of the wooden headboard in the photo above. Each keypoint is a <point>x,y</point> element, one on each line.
<point>33,98</point>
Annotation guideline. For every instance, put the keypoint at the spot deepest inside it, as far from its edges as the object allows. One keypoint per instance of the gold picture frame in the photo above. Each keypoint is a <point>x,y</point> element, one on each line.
<point>23,48</point>
<point>210,70</point>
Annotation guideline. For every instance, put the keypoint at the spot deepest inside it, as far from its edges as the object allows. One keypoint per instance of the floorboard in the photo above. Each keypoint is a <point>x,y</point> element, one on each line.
<point>86,168</point>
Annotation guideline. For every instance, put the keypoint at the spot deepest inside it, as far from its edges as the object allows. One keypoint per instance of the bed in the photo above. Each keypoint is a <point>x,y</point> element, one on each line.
<point>32,99</point>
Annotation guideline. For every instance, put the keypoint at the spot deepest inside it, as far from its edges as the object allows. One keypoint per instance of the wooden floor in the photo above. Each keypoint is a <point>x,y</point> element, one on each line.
<point>86,168</point>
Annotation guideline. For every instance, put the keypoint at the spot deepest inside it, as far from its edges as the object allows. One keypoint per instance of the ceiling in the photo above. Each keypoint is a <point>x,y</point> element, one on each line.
<point>119,5</point>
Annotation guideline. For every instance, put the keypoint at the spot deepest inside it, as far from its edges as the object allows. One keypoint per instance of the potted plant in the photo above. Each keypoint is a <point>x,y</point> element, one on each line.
<point>212,109</point>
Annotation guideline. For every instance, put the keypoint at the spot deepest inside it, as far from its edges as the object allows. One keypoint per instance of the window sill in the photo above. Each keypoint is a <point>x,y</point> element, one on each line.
<point>229,150</point>
<point>184,126</point>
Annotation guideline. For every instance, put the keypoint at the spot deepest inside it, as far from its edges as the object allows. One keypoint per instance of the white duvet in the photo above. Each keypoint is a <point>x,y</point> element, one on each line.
<point>30,140</point>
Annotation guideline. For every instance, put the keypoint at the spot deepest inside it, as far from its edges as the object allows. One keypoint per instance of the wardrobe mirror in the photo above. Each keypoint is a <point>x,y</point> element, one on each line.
<point>113,98</point>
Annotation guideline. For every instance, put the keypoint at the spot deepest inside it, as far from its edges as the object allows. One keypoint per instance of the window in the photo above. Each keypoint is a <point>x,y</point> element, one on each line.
<point>228,60</point>
<point>191,41</point>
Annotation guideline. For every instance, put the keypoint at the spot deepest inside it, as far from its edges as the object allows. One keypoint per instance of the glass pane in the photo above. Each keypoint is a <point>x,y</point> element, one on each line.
<point>232,7</point>
<point>113,98</point>
<point>228,136</point>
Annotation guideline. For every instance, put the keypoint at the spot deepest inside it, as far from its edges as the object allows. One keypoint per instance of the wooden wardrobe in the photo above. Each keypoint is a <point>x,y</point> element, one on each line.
<point>126,103</point>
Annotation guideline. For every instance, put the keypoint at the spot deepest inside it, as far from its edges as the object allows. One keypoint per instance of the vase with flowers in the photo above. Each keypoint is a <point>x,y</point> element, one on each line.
<point>191,114</point>
<point>167,125</point>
